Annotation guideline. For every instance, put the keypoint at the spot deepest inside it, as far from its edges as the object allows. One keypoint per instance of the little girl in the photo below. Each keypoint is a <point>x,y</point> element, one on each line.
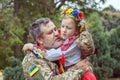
<point>68,53</point>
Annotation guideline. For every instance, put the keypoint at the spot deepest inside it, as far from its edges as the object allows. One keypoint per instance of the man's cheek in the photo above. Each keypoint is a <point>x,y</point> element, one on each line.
<point>49,42</point>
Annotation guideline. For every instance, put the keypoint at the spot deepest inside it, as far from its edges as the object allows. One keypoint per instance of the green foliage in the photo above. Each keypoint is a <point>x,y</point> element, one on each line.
<point>102,62</point>
<point>14,23</point>
<point>14,71</point>
<point>114,41</point>
<point>11,35</point>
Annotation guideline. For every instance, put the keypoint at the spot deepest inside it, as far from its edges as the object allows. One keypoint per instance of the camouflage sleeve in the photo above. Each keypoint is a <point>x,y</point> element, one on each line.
<point>73,74</point>
<point>85,65</point>
<point>86,44</point>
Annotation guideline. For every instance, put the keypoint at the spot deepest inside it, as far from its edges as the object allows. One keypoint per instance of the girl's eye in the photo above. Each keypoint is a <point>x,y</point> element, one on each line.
<point>62,26</point>
<point>68,27</point>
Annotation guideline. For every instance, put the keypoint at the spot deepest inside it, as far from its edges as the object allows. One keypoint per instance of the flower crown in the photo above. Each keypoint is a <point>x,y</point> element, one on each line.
<point>77,15</point>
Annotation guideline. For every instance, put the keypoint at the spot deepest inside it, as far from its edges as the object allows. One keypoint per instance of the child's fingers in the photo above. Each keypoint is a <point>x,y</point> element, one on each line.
<point>28,46</point>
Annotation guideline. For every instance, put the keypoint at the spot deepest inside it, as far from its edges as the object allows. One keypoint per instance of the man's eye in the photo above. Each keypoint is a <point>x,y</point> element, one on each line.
<point>50,33</point>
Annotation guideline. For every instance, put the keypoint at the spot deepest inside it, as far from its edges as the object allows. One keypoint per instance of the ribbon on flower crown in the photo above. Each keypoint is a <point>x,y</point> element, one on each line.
<point>61,64</point>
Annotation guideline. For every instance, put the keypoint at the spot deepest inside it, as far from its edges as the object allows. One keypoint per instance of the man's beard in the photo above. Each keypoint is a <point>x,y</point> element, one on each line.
<point>55,44</point>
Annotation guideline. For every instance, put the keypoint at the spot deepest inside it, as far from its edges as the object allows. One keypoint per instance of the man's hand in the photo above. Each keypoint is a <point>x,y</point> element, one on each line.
<point>86,44</point>
<point>27,48</point>
<point>85,65</point>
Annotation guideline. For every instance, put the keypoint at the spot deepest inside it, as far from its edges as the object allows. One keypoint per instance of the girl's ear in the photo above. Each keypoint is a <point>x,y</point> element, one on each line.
<point>39,40</point>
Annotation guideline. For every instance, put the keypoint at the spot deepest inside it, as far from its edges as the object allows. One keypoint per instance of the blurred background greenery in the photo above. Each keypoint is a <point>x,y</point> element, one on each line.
<point>103,24</point>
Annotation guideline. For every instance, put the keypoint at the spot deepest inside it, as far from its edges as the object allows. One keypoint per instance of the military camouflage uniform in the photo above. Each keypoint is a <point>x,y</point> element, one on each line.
<point>49,70</point>
<point>86,44</point>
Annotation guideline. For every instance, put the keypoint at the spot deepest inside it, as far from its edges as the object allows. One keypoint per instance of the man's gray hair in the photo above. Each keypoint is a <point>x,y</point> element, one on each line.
<point>35,27</point>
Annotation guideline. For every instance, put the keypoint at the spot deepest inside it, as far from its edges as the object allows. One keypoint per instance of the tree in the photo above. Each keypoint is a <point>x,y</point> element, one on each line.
<point>110,8</point>
<point>114,41</point>
<point>14,71</point>
<point>11,35</point>
<point>110,18</point>
<point>101,60</point>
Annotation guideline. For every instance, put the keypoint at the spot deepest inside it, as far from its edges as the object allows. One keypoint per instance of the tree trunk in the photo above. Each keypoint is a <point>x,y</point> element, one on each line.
<point>17,5</point>
<point>16,50</point>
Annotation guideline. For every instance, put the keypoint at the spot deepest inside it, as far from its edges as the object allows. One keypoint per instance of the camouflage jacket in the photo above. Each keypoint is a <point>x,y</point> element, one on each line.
<point>47,69</point>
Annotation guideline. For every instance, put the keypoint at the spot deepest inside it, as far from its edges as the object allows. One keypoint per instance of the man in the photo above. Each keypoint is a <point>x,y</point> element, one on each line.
<point>44,33</point>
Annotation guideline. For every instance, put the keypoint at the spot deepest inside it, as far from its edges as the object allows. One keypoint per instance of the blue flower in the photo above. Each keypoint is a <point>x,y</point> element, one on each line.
<point>75,13</point>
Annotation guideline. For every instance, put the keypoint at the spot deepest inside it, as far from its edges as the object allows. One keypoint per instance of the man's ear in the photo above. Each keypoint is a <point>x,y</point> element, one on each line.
<point>39,40</point>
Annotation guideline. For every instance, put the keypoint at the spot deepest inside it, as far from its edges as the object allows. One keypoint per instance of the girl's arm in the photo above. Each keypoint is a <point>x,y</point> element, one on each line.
<point>55,54</point>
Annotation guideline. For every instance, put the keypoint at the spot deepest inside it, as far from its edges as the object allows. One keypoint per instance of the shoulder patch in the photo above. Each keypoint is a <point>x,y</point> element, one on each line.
<point>33,70</point>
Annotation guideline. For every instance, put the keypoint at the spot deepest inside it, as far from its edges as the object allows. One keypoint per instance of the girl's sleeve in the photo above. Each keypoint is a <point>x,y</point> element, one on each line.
<point>54,54</point>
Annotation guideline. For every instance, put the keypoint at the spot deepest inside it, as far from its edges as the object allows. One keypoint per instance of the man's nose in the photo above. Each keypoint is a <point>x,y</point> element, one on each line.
<point>56,33</point>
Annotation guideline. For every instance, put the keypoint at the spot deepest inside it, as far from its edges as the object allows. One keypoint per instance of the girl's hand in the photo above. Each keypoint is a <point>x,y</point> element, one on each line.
<point>27,48</point>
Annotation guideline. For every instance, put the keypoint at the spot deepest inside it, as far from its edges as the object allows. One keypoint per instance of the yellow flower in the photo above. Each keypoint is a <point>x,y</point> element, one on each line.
<point>69,11</point>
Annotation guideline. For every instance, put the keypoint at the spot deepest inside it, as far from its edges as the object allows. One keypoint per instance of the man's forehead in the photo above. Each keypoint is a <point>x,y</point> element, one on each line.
<point>50,23</point>
<point>49,26</point>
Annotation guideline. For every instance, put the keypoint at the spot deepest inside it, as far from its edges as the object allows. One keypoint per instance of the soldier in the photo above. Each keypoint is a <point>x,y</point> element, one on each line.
<point>36,67</point>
